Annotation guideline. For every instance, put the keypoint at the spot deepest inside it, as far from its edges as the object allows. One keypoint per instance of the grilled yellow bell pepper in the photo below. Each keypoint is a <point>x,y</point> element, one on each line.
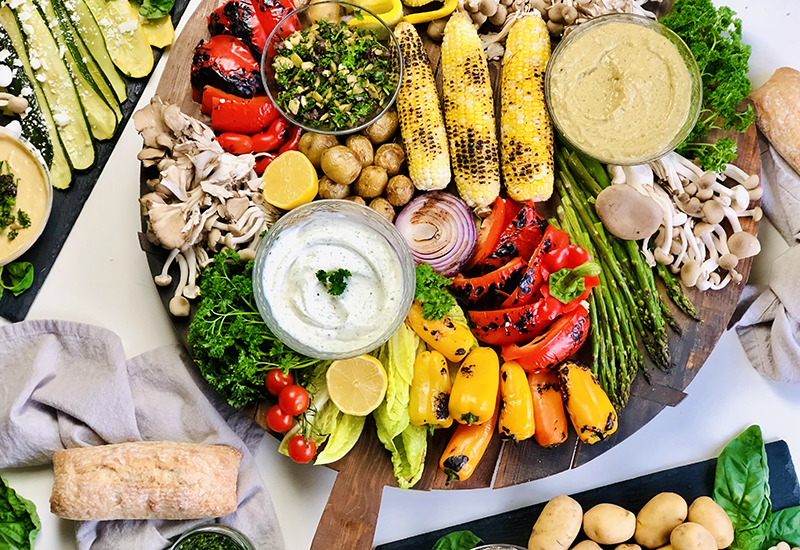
<point>445,336</point>
<point>429,396</point>
<point>588,406</point>
<point>466,448</point>
<point>391,18</point>
<point>474,396</point>
<point>516,409</point>
<point>447,8</point>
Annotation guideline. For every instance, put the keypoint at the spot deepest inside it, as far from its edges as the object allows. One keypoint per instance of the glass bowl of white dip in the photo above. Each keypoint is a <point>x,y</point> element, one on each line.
<point>328,236</point>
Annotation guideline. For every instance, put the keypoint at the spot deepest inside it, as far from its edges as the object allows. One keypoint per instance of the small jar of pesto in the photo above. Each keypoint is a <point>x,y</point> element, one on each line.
<point>213,537</point>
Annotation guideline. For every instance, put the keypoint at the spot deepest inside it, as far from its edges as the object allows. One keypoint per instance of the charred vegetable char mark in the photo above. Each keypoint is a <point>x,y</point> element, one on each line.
<point>238,18</point>
<point>225,63</point>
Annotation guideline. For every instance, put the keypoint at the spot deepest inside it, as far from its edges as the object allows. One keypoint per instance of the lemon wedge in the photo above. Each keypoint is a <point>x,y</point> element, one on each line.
<point>358,385</point>
<point>289,181</point>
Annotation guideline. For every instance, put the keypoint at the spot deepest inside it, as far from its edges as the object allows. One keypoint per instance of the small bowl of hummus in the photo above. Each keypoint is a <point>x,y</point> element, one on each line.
<point>333,279</point>
<point>26,196</point>
<point>623,89</point>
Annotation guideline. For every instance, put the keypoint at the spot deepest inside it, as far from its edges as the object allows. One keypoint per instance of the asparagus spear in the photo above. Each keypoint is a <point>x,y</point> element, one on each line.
<point>675,292</point>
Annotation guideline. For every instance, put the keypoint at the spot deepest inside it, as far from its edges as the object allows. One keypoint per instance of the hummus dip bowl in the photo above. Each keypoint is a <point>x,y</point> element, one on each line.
<point>623,89</point>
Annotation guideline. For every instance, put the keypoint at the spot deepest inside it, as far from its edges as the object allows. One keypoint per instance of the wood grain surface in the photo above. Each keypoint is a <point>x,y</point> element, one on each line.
<point>351,514</point>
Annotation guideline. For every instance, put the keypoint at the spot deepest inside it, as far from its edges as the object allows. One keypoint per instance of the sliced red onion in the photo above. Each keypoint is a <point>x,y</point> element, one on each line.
<point>440,230</point>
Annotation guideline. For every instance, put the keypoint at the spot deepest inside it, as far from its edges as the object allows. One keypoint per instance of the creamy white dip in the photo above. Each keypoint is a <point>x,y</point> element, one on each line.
<point>301,304</point>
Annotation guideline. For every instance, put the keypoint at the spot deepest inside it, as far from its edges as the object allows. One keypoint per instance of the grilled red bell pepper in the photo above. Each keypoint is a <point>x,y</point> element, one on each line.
<point>293,141</point>
<point>226,63</point>
<point>489,235</point>
<point>243,116</point>
<point>571,275</point>
<point>238,18</point>
<point>560,341</point>
<point>514,325</point>
<point>535,275</point>
<point>273,138</point>
<point>263,162</point>
<point>487,290</point>
<point>270,13</point>
<point>519,238</point>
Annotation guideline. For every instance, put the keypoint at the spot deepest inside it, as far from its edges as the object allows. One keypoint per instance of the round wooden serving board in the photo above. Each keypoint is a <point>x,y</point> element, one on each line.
<point>351,513</point>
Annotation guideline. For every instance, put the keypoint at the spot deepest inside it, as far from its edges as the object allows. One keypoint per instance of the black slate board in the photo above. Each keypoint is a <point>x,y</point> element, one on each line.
<point>68,203</point>
<point>689,481</point>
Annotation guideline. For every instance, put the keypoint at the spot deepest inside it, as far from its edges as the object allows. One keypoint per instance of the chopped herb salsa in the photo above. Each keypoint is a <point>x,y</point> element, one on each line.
<point>333,76</point>
<point>209,541</point>
<point>15,221</point>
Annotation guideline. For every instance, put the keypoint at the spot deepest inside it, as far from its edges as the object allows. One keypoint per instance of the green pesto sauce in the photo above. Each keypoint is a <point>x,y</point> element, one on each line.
<point>209,541</point>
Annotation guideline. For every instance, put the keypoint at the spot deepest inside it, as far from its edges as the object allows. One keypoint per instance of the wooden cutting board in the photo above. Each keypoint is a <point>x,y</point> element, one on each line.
<point>350,516</point>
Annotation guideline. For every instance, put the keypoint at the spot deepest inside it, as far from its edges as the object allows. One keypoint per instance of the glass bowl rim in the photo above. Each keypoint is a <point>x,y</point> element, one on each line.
<point>345,131</point>
<point>696,100</point>
<point>234,534</point>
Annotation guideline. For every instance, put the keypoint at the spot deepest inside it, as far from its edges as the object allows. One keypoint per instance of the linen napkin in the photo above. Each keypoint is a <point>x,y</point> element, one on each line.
<point>68,385</point>
<point>769,330</point>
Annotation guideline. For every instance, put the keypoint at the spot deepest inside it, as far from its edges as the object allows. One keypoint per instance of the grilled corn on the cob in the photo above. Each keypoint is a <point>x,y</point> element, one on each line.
<point>421,122</point>
<point>469,113</point>
<point>526,133</point>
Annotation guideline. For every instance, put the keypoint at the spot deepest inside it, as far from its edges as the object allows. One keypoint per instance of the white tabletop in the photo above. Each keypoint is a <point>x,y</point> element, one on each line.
<point>101,277</point>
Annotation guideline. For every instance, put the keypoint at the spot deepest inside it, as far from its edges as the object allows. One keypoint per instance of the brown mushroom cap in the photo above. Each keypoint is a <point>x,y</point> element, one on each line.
<point>626,213</point>
<point>713,211</point>
<point>690,272</point>
<point>728,261</point>
<point>743,244</point>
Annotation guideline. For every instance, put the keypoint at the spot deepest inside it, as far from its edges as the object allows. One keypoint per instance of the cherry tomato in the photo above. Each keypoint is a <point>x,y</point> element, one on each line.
<point>236,144</point>
<point>293,399</point>
<point>277,380</point>
<point>278,420</point>
<point>301,450</point>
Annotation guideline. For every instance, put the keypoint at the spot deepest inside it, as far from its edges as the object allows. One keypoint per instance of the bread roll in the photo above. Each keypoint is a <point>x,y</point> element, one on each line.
<point>778,113</point>
<point>145,480</point>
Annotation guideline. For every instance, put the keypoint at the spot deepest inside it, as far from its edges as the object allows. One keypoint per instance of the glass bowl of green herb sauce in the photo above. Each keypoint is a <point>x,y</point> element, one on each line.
<point>332,67</point>
<point>213,537</point>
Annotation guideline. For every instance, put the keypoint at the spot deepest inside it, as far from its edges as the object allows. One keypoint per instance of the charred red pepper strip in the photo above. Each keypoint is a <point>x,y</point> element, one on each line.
<point>273,138</point>
<point>271,12</point>
<point>489,236</point>
<point>224,62</point>
<point>520,237</point>
<point>559,342</point>
<point>293,141</point>
<point>238,18</point>
<point>209,93</point>
<point>263,162</point>
<point>237,144</point>
<point>534,277</point>
<point>243,116</point>
<point>487,289</point>
<point>511,326</point>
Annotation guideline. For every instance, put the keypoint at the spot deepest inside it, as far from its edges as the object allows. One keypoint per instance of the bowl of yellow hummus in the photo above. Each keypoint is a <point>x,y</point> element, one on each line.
<point>623,89</point>
<point>26,196</point>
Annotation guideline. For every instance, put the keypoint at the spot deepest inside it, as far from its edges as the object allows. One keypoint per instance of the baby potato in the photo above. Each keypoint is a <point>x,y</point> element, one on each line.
<point>371,182</point>
<point>557,526</point>
<point>362,147</point>
<point>609,524</point>
<point>666,547</point>
<point>357,200</point>
<point>382,129</point>
<point>382,207</point>
<point>704,511</point>
<point>390,157</point>
<point>692,536</point>
<point>340,164</point>
<point>587,545</point>
<point>313,145</point>
<point>658,518</point>
<point>329,189</point>
<point>399,190</point>
<point>628,546</point>
<point>327,11</point>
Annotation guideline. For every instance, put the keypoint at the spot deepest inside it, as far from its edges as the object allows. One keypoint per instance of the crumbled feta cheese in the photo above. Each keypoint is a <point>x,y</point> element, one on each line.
<point>61,119</point>
<point>40,77</point>
<point>62,51</point>
<point>128,26</point>
<point>26,91</point>
<point>24,15</point>
<point>45,66</point>
<point>35,63</point>
<point>6,76</point>
<point>17,63</point>
<point>28,29</point>
<point>14,128</point>
<point>104,22</point>
<point>4,55</point>
<point>14,4</point>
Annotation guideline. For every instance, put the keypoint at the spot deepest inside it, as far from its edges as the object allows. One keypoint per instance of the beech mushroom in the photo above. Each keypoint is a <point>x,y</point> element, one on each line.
<point>626,213</point>
<point>179,305</point>
<point>164,278</point>
<point>743,245</point>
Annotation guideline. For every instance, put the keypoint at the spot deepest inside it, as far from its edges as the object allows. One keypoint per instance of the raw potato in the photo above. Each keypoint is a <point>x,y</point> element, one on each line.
<point>329,189</point>
<point>628,546</point>
<point>382,129</point>
<point>382,207</point>
<point>313,145</point>
<point>656,520</point>
<point>667,547</point>
<point>390,157</point>
<point>356,199</point>
<point>327,11</point>
<point>557,526</point>
<point>692,536</point>
<point>400,190</point>
<point>587,545</point>
<point>710,515</point>
<point>371,182</point>
<point>340,164</point>
<point>609,524</point>
<point>362,147</point>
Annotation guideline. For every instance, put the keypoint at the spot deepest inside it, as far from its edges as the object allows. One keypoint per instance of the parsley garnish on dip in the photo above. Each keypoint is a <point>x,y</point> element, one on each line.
<point>334,281</point>
<point>331,75</point>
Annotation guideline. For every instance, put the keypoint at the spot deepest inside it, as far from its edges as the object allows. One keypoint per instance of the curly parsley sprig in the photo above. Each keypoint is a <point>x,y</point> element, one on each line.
<point>431,291</point>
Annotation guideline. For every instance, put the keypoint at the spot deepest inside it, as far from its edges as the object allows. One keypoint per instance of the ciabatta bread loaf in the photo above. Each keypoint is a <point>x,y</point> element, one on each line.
<point>778,111</point>
<point>145,480</point>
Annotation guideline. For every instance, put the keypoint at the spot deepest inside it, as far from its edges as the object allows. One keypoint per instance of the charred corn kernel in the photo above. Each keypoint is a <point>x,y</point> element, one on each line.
<point>429,397</point>
<point>516,404</point>
<point>466,448</point>
<point>447,8</point>
<point>469,113</point>
<point>588,406</point>
<point>448,338</point>
<point>421,121</point>
<point>473,398</point>
<point>526,133</point>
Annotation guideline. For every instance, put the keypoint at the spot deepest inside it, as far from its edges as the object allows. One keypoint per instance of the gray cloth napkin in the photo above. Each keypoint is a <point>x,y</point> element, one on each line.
<point>69,385</point>
<point>769,330</point>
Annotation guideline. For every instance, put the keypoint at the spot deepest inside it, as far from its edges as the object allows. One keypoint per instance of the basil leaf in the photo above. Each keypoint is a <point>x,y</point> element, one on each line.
<point>19,522</point>
<point>785,527</point>
<point>459,540</point>
<point>21,276</point>
<point>752,539</point>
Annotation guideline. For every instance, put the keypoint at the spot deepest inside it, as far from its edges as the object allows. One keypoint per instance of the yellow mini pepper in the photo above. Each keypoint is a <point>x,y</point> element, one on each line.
<point>448,338</point>
<point>447,8</point>
<point>429,397</point>
<point>466,448</point>
<point>516,409</point>
<point>588,406</point>
<point>474,395</point>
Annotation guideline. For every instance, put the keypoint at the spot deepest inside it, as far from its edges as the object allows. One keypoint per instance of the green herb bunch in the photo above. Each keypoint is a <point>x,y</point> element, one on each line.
<point>232,345</point>
<point>9,186</point>
<point>431,291</point>
<point>715,38</point>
